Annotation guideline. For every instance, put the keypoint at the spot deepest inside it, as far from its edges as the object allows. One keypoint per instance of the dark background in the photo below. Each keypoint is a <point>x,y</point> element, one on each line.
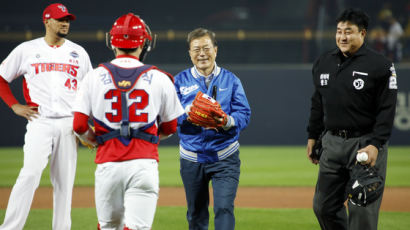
<point>269,45</point>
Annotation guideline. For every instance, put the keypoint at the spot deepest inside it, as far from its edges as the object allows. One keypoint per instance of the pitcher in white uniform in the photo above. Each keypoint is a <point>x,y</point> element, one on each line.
<point>53,68</point>
<point>132,106</point>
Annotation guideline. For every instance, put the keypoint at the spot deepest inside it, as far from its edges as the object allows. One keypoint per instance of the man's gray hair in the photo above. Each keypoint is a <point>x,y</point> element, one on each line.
<point>200,32</point>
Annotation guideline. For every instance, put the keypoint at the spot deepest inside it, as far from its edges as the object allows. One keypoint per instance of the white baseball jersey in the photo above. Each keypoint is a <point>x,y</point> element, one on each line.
<point>51,78</point>
<point>51,74</point>
<point>153,96</point>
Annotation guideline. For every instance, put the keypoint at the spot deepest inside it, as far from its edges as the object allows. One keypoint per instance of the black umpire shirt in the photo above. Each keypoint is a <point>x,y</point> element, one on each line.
<point>357,94</point>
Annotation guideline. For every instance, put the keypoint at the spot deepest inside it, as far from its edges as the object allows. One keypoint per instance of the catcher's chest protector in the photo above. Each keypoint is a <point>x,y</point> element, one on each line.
<point>124,79</point>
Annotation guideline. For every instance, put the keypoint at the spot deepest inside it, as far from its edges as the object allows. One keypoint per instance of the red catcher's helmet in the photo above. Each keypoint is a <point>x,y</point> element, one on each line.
<point>129,32</point>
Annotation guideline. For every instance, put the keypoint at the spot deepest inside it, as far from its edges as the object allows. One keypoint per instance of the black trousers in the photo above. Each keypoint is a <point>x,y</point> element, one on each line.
<point>338,157</point>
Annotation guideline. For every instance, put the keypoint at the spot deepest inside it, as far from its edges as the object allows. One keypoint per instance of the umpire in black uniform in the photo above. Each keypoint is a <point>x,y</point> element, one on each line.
<point>354,104</point>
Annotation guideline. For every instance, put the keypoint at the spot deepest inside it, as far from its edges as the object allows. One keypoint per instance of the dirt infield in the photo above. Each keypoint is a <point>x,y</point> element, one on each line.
<point>395,199</point>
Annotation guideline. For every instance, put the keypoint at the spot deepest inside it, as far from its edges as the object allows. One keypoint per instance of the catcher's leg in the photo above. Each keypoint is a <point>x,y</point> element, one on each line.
<point>225,182</point>
<point>109,196</point>
<point>197,194</point>
<point>37,148</point>
<point>367,217</point>
<point>328,201</point>
<point>141,194</point>
<point>62,172</point>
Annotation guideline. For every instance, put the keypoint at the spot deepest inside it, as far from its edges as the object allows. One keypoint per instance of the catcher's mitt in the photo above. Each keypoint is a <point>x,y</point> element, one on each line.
<point>88,139</point>
<point>365,185</point>
<point>206,112</point>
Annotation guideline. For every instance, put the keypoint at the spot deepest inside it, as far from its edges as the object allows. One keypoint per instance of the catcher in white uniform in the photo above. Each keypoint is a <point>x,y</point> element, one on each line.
<point>132,106</point>
<point>53,68</point>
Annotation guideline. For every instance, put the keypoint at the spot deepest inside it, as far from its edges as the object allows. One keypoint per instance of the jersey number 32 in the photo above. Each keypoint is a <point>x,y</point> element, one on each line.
<point>133,116</point>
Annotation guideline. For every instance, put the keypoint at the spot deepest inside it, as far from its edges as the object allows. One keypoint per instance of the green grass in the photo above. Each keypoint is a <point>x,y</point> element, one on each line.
<point>173,218</point>
<point>261,166</point>
<point>11,161</point>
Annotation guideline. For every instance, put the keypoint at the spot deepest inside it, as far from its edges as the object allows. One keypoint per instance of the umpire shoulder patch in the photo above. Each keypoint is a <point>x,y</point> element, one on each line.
<point>393,78</point>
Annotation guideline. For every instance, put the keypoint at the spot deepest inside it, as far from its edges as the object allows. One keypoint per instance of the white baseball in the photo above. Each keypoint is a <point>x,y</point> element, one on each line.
<point>362,156</point>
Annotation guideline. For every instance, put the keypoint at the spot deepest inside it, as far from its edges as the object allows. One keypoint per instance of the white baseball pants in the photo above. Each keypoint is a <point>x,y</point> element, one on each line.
<point>126,194</point>
<point>46,140</point>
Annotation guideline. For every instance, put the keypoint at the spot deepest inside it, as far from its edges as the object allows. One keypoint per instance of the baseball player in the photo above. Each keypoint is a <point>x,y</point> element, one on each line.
<point>131,104</point>
<point>53,68</point>
<point>210,152</point>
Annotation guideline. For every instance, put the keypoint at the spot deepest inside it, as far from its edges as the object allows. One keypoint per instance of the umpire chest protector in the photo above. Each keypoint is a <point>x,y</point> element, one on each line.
<point>124,80</point>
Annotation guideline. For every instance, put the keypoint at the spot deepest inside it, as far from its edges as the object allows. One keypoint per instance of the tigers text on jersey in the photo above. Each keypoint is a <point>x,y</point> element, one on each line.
<point>152,97</point>
<point>51,74</point>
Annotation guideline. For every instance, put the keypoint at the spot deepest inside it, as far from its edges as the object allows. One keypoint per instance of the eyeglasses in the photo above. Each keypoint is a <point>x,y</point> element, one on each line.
<point>197,50</point>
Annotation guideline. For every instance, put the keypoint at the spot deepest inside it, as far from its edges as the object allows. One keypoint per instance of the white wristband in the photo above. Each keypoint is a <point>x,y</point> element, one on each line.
<point>230,123</point>
<point>188,109</point>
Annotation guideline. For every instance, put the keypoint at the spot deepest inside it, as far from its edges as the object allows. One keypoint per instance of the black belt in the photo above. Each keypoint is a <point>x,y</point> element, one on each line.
<point>347,133</point>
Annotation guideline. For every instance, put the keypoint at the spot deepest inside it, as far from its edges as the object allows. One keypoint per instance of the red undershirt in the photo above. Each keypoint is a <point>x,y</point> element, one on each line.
<point>6,94</point>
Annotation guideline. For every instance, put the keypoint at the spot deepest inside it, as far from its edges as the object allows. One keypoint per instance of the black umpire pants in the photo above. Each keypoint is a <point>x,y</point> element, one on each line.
<point>338,157</point>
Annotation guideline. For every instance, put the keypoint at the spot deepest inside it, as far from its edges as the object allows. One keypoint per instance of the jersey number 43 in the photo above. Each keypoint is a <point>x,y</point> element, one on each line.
<point>133,115</point>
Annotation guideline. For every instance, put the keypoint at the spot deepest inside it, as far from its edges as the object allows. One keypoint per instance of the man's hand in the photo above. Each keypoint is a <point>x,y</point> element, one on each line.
<point>221,120</point>
<point>25,111</point>
<point>309,149</point>
<point>372,152</point>
<point>163,136</point>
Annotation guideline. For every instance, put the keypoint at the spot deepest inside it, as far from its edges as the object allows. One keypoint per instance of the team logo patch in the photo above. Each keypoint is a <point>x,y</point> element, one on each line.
<point>208,98</point>
<point>358,84</point>
<point>124,83</point>
<point>62,8</point>
<point>188,89</point>
<point>324,78</point>
<point>393,78</point>
<point>393,71</point>
<point>74,54</point>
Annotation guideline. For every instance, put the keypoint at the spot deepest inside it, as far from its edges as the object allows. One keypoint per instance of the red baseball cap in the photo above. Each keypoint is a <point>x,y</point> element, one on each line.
<point>57,11</point>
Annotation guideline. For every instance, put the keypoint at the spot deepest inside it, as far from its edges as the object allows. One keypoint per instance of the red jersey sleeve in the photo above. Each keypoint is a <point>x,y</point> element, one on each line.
<point>80,123</point>
<point>168,128</point>
<point>6,94</point>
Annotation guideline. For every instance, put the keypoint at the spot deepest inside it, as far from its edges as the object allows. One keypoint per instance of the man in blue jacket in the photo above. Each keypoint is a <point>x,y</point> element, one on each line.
<point>210,154</point>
